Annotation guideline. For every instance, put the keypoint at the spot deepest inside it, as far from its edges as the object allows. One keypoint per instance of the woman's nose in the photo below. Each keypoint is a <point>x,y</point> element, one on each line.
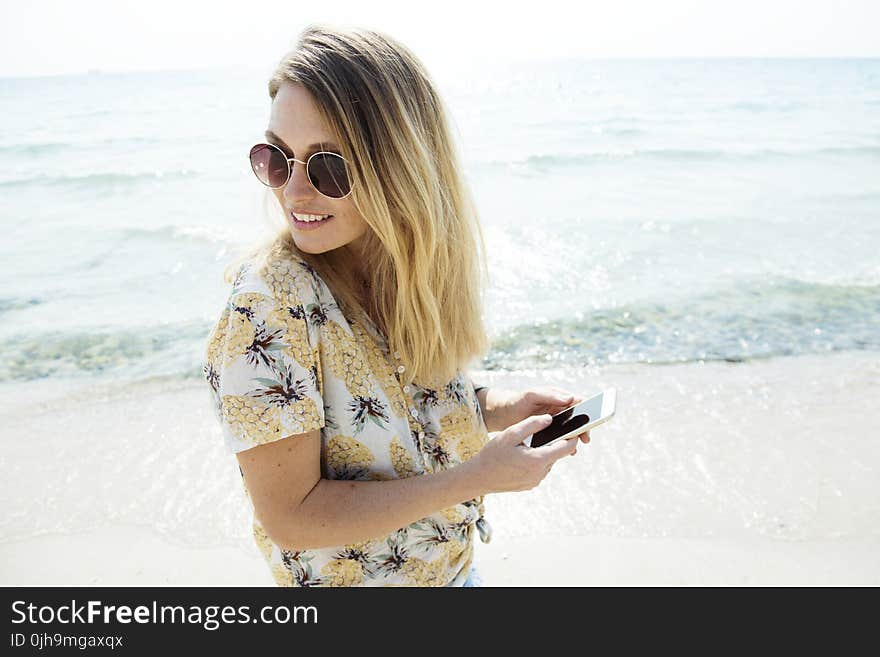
<point>298,185</point>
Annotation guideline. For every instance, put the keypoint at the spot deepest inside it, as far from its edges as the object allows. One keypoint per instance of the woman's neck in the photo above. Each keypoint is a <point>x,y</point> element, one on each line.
<point>355,250</point>
<point>363,281</point>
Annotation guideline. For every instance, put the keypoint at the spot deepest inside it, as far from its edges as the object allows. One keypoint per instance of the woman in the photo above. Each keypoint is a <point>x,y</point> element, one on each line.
<point>338,364</point>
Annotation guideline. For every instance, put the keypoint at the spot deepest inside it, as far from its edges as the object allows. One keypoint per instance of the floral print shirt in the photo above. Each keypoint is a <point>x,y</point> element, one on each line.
<point>283,360</point>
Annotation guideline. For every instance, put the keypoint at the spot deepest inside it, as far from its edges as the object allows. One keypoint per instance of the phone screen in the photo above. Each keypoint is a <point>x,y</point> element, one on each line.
<point>569,420</point>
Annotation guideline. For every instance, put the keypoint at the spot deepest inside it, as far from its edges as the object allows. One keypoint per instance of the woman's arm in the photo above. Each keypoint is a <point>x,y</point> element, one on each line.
<point>338,512</point>
<point>300,510</point>
<point>489,399</point>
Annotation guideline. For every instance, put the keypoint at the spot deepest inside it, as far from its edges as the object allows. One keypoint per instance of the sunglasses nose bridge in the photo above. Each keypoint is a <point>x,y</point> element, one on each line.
<point>291,165</point>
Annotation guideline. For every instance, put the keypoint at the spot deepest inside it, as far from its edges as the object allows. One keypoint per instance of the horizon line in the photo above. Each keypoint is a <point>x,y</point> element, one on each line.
<point>502,59</point>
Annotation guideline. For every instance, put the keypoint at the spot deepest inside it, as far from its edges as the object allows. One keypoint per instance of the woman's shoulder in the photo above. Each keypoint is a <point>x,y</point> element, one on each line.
<point>285,278</point>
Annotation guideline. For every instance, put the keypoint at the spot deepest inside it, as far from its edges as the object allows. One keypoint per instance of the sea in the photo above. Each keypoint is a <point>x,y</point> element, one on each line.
<point>644,214</point>
<point>658,211</point>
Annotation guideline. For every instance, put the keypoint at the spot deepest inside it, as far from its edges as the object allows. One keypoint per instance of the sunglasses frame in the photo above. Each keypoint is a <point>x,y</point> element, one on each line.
<point>306,164</point>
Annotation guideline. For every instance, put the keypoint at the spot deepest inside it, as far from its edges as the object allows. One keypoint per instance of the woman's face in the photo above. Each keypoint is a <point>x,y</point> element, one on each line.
<point>298,129</point>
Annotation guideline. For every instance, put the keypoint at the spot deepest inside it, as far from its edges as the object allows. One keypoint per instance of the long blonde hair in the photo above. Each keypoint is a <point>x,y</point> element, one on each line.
<point>425,252</point>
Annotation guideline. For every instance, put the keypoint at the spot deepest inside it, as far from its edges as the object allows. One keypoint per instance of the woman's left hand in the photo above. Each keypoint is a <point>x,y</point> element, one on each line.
<point>512,407</point>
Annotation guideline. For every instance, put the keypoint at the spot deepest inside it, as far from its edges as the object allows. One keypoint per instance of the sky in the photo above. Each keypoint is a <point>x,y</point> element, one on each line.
<point>49,37</point>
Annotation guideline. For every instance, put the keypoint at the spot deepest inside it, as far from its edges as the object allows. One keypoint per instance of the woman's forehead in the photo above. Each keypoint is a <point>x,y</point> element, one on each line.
<point>295,120</point>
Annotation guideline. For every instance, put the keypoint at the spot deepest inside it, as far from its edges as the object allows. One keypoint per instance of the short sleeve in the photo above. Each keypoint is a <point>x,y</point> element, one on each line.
<point>263,364</point>
<point>477,409</point>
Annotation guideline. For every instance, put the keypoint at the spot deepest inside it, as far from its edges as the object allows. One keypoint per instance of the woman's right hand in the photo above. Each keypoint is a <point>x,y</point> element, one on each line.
<point>506,465</point>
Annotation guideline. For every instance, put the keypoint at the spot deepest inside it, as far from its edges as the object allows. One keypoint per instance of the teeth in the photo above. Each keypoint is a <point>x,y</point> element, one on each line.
<point>310,217</point>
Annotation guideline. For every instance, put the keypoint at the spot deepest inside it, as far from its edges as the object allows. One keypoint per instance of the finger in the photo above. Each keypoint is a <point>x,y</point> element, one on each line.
<point>555,451</point>
<point>560,395</point>
<point>585,437</point>
<point>516,433</point>
<point>568,398</point>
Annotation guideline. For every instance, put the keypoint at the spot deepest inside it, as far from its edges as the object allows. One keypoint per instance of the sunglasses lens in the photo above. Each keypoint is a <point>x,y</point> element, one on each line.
<point>328,175</point>
<point>269,165</point>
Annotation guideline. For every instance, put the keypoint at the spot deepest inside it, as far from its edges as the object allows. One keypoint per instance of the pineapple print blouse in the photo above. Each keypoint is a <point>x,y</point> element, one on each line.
<point>283,360</point>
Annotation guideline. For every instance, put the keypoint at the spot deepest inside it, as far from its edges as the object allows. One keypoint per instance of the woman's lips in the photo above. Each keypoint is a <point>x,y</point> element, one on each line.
<point>309,225</point>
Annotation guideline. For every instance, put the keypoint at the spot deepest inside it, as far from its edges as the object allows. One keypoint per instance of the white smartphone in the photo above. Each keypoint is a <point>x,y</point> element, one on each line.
<point>576,419</point>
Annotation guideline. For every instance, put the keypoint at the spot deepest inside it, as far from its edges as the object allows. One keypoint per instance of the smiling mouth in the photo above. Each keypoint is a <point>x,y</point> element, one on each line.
<point>307,225</point>
<point>309,218</point>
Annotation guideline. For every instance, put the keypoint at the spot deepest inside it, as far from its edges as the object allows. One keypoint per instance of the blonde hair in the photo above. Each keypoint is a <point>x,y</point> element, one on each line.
<point>424,251</point>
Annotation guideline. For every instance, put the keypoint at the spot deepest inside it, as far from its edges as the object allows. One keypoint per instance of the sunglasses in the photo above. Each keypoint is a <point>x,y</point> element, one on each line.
<point>326,171</point>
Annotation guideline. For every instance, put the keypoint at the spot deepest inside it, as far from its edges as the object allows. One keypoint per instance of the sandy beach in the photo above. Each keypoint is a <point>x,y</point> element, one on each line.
<point>762,473</point>
<point>131,556</point>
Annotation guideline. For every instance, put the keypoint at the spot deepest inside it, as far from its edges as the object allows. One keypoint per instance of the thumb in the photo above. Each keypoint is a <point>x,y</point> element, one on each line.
<point>555,451</point>
<point>516,433</point>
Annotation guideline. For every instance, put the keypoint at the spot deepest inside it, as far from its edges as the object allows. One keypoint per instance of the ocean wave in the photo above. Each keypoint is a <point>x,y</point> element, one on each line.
<point>746,321</point>
<point>854,150</point>
<point>740,322</point>
<point>756,106</point>
<point>56,147</point>
<point>545,162</point>
<point>209,234</point>
<point>38,148</point>
<point>164,350</point>
<point>99,180</point>
<point>623,126</point>
<point>17,304</point>
<point>842,197</point>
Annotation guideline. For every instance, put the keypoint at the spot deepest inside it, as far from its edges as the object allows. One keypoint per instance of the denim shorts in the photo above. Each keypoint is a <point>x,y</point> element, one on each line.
<point>473,579</point>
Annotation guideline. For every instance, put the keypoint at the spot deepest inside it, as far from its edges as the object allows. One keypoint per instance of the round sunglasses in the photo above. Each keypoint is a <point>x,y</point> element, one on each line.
<point>326,171</point>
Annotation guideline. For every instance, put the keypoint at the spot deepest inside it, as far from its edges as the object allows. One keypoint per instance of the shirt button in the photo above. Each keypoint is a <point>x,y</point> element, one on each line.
<point>414,412</point>
<point>406,389</point>
<point>397,354</point>
<point>421,435</point>
<point>401,369</point>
